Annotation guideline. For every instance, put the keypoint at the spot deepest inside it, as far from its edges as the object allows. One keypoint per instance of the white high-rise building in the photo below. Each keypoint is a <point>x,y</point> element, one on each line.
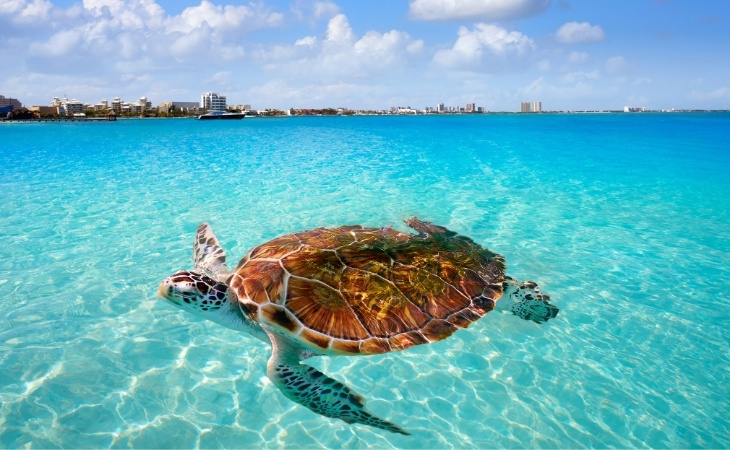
<point>531,107</point>
<point>213,101</point>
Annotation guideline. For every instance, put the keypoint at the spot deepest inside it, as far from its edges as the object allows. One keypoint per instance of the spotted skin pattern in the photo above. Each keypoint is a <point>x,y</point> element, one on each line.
<point>529,303</point>
<point>208,256</point>
<point>198,291</point>
<point>318,392</point>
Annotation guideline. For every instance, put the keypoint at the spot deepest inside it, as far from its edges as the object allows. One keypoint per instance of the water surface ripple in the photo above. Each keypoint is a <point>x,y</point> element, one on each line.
<point>623,219</point>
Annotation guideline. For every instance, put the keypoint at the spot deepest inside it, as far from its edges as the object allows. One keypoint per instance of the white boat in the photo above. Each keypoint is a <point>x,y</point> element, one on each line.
<point>214,115</point>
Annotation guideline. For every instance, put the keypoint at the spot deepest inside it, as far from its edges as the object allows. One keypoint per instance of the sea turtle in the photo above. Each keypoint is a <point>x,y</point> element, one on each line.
<point>349,291</point>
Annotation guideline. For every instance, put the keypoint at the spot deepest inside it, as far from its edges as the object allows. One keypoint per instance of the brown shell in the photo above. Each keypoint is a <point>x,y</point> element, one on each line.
<point>362,290</point>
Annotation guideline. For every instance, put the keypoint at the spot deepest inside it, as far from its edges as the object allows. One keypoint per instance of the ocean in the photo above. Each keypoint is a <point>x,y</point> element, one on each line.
<point>623,219</point>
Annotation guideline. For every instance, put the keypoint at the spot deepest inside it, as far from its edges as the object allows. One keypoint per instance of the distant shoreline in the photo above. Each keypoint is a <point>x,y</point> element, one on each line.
<point>504,113</point>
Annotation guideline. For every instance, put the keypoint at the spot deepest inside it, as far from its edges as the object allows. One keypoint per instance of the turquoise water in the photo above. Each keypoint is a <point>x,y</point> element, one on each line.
<point>624,219</point>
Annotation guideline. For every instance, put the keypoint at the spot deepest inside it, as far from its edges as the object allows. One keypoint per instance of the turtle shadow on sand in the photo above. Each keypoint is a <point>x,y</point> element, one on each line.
<point>349,291</point>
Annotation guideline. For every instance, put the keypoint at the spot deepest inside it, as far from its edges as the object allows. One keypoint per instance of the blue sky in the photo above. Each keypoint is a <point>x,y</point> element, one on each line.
<point>569,54</point>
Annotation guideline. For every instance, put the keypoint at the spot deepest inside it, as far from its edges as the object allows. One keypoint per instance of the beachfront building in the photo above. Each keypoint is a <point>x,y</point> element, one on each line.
<point>525,107</point>
<point>212,101</point>
<point>440,108</point>
<point>59,105</point>
<point>119,106</point>
<point>8,104</point>
<point>6,101</point>
<point>144,104</point>
<point>634,109</point>
<point>101,106</point>
<point>471,107</point>
<point>536,106</point>
<point>139,107</point>
<point>179,108</point>
<point>67,107</point>
<point>45,111</point>
<point>73,107</point>
<point>406,110</point>
<point>242,108</point>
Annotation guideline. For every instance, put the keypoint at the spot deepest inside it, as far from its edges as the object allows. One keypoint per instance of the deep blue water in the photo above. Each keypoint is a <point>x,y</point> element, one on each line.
<point>624,219</point>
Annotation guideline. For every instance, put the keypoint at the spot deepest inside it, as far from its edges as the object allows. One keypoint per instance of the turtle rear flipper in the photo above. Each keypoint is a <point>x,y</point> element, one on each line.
<point>526,301</point>
<point>318,392</point>
<point>208,256</point>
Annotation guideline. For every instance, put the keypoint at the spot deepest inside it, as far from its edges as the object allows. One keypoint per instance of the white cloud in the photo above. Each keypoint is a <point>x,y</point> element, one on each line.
<point>309,41</point>
<point>132,15</point>
<point>302,95</point>
<point>306,10</point>
<point>470,46</point>
<point>26,11</point>
<point>11,6</point>
<point>114,32</point>
<point>575,32</point>
<point>192,42</point>
<point>222,17</point>
<point>339,30</point>
<point>475,9</point>
<point>543,66</point>
<point>342,54</point>
<point>34,11</point>
<point>577,57</point>
<point>385,46</point>
<point>61,43</point>
<point>617,64</point>
<point>414,47</point>
<point>536,87</point>
<point>221,79</point>
<point>576,77</point>
<point>722,93</point>
<point>325,10</point>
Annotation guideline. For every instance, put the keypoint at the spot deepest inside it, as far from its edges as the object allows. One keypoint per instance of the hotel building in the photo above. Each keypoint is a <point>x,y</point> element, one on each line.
<point>14,102</point>
<point>530,107</point>
<point>212,101</point>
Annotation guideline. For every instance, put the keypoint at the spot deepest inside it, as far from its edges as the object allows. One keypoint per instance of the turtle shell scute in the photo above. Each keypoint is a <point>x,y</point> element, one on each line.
<point>363,290</point>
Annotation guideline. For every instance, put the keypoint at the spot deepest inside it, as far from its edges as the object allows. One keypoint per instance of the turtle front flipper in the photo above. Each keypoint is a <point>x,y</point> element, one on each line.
<point>208,256</point>
<point>318,392</point>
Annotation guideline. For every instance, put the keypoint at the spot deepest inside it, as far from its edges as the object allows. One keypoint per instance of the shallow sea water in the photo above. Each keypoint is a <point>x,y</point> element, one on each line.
<point>624,219</point>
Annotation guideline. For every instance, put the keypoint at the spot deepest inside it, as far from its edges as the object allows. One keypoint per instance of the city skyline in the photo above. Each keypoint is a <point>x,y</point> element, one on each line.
<point>211,101</point>
<point>291,54</point>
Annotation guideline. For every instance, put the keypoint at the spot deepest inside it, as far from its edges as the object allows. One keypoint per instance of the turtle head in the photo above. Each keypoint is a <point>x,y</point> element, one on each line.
<point>195,293</point>
<point>213,300</point>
